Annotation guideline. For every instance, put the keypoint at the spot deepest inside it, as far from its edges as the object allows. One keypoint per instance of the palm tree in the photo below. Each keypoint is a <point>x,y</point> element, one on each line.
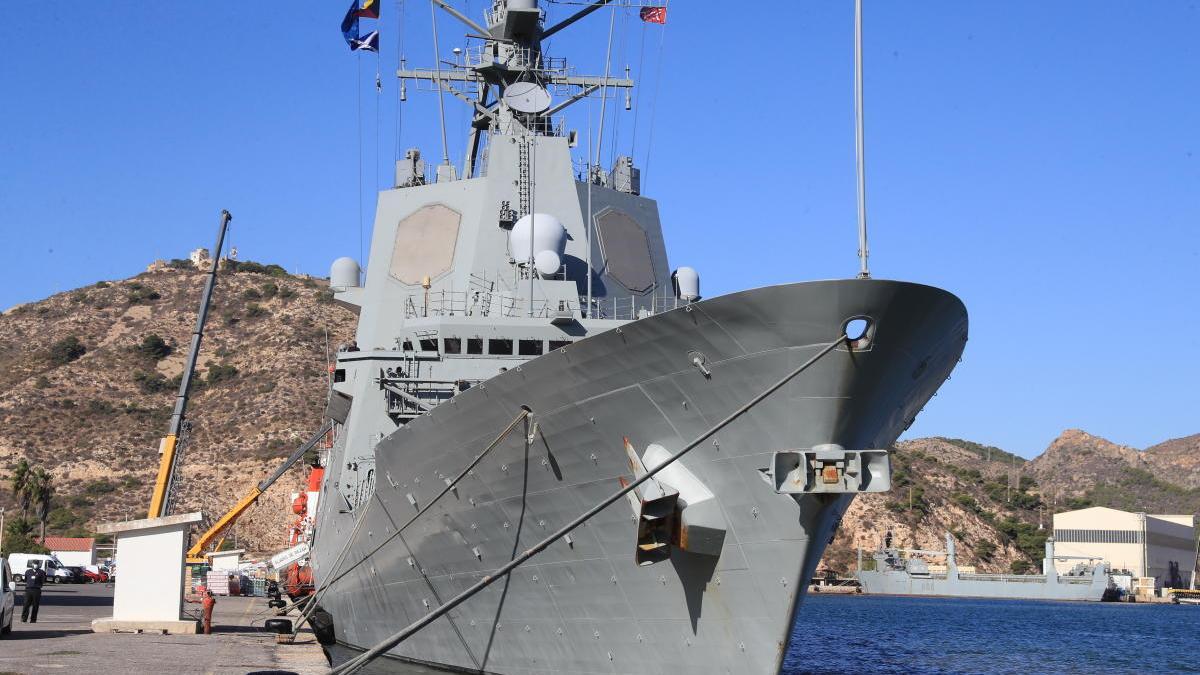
<point>20,485</point>
<point>41,494</point>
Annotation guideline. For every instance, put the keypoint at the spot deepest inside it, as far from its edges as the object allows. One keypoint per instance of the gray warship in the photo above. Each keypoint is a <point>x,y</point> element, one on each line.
<point>527,374</point>
<point>894,573</point>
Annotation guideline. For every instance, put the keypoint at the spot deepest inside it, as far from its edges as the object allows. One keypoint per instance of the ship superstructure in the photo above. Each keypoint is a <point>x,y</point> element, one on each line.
<point>524,351</point>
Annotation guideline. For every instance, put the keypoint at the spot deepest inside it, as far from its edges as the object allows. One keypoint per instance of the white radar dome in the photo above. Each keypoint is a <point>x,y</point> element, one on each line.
<point>687,284</point>
<point>343,274</point>
<point>547,263</point>
<point>546,233</point>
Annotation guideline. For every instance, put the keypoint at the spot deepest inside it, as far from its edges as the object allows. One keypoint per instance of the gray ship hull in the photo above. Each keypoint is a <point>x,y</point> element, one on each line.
<point>583,606</point>
<point>1004,586</point>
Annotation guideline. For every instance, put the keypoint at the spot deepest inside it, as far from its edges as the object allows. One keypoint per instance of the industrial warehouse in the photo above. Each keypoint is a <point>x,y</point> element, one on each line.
<point>1146,545</point>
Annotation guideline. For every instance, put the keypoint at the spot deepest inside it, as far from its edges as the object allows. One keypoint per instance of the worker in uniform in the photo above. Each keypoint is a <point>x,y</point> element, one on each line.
<point>207,602</point>
<point>35,578</point>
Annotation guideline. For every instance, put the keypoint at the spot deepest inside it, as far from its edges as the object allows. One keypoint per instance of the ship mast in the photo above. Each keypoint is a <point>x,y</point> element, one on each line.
<point>510,59</point>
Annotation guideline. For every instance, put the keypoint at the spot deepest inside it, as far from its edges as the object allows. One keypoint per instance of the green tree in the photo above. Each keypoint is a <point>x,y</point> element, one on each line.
<point>18,538</point>
<point>20,485</point>
<point>42,493</point>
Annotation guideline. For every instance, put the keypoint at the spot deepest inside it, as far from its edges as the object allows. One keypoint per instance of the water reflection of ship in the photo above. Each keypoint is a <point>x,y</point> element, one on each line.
<point>903,571</point>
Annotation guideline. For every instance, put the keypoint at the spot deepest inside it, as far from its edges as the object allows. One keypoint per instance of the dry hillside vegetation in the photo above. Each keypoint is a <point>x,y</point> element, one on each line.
<point>88,380</point>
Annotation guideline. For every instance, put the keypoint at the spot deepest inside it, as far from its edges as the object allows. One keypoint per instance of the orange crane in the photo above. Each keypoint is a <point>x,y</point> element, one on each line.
<point>196,553</point>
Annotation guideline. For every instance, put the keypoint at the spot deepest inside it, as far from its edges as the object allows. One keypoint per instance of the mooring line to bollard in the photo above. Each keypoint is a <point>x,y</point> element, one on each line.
<point>362,660</point>
<point>525,413</point>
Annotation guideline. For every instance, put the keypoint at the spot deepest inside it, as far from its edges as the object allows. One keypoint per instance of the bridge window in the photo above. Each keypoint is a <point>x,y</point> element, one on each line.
<point>452,345</point>
<point>529,347</point>
<point>501,346</point>
<point>474,345</point>
<point>428,344</point>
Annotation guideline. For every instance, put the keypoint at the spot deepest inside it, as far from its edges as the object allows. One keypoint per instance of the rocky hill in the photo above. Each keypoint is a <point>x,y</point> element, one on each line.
<point>88,378</point>
<point>1179,459</point>
<point>999,507</point>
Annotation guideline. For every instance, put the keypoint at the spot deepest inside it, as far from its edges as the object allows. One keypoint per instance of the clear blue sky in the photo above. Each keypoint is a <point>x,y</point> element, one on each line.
<point>1041,160</point>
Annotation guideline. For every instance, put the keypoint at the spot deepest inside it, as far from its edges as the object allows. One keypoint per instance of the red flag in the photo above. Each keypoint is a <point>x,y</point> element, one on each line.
<point>369,10</point>
<point>653,14</point>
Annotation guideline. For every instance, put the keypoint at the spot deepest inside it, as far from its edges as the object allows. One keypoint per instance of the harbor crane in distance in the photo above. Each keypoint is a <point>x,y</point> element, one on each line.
<point>168,447</point>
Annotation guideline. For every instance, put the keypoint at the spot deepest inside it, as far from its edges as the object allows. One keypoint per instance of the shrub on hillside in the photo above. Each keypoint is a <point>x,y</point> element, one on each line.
<point>137,293</point>
<point>221,372</point>
<point>984,550</point>
<point>251,267</point>
<point>100,486</point>
<point>180,264</point>
<point>151,383</point>
<point>254,311</point>
<point>154,347</point>
<point>66,350</point>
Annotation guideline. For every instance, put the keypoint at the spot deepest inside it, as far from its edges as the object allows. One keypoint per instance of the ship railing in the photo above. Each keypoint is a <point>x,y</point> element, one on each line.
<point>630,308</point>
<point>512,58</point>
<point>419,395</point>
<point>546,126</point>
<point>1006,578</point>
<point>481,302</point>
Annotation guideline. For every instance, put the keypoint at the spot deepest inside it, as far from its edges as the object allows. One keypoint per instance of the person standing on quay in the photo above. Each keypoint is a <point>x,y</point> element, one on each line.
<point>35,578</point>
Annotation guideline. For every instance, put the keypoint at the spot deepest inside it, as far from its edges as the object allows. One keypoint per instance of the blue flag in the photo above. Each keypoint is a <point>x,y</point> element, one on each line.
<point>368,42</point>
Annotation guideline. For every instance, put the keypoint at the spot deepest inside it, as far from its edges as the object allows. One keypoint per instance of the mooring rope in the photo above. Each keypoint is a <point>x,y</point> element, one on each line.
<point>360,661</point>
<point>346,547</point>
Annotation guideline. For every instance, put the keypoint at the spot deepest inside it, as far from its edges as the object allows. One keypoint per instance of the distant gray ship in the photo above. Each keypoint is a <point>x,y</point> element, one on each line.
<point>524,350</point>
<point>896,574</point>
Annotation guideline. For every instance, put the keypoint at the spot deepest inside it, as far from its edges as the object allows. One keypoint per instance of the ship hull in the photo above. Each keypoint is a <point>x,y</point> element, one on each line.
<point>583,605</point>
<point>1091,588</point>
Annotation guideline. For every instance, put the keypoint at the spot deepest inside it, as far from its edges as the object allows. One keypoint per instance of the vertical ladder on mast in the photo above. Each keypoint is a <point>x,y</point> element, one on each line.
<point>524,185</point>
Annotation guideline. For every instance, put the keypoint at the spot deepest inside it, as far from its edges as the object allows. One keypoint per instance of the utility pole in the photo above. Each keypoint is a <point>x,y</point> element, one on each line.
<point>1011,465</point>
<point>910,498</point>
<point>1,529</point>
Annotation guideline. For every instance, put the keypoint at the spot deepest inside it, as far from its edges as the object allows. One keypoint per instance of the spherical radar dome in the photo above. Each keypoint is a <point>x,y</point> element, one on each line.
<point>547,234</point>
<point>343,273</point>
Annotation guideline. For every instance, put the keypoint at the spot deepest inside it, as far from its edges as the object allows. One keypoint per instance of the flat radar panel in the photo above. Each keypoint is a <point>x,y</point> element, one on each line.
<point>527,97</point>
<point>425,242</point>
<point>626,250</point>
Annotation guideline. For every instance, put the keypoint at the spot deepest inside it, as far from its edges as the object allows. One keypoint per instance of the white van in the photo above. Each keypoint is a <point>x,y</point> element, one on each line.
<point>56,572</point>
<point>8,598</point>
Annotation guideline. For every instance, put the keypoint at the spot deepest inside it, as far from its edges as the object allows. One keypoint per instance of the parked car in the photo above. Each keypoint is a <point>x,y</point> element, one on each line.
<point>8,598</point>
<point>95,573</point>
<point>97,577</point>
<point>77,576</point>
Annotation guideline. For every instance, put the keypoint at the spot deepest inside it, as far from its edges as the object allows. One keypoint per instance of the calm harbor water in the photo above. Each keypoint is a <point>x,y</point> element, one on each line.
<point>855,633</point>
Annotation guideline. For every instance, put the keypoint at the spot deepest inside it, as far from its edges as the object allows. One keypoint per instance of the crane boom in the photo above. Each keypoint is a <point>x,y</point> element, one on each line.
<point>196,552</point>
<point>160,500</point>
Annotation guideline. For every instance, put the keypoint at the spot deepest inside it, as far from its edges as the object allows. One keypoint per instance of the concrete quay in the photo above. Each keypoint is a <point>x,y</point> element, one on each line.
<point>62,640</point>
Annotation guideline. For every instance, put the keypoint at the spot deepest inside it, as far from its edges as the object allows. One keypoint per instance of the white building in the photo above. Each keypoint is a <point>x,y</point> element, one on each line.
<point>73,551</point>
<point>1159,546</point>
